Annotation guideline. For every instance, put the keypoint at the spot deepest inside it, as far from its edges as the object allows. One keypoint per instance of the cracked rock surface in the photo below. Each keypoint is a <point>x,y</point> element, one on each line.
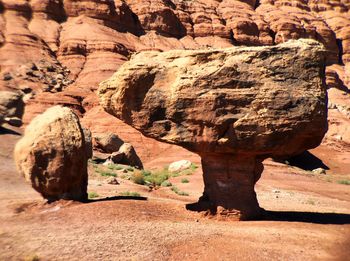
<point>60,50</point>
<point>52,155</point>
<point>234,107</point>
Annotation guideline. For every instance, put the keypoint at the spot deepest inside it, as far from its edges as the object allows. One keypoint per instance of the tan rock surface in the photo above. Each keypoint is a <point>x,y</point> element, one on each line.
<point>52,155</point>
<point>93,38</point>
<point>130,156</point>
<point>11,107</point>
<point>107,142</point>
<point>234,107</point>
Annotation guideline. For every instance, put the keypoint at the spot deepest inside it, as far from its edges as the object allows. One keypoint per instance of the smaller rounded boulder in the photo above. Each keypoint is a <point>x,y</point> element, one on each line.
<point>179,165</point>
<point>52,155</point>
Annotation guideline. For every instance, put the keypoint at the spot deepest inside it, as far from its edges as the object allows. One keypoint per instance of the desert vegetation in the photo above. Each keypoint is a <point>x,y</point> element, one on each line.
<point>130,194</point>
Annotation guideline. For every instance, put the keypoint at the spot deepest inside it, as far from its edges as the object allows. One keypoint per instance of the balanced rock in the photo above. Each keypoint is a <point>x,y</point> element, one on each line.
<point>52,155</point>
<point>234,107</point>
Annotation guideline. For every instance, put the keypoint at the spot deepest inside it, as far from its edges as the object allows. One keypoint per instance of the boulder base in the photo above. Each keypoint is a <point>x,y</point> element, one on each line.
<point>229,186</point>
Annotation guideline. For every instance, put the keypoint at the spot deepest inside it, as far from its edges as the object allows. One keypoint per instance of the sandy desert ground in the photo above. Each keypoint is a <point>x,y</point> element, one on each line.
<point>307,218</point>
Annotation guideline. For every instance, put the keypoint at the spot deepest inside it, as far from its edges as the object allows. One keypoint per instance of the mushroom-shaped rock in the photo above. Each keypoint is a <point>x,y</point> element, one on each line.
<point>234,107</point>
<point>52,155</point>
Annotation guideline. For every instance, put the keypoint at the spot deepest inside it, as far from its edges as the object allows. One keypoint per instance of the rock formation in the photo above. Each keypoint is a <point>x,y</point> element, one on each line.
<point>88,143</point>
<point>107,142</point>
<point>52,155</point>
<point>120,151</point>
<point>129,156</point>
<point>180,165</point>
<point>60,50</point>
<point>11,108</point>
<point>234,107</point>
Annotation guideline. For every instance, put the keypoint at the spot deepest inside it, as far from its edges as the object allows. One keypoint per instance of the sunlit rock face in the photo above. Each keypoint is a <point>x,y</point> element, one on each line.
<point>52,155</point>
<point>62,49</point>
<point>234,107</point>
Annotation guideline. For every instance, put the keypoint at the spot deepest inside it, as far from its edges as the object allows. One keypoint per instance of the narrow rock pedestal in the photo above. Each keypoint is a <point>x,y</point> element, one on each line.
<point>229,186</point>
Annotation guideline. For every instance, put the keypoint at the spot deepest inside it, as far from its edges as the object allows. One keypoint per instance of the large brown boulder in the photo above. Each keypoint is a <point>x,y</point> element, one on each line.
<point>52,155</point>
<point>234,107</point>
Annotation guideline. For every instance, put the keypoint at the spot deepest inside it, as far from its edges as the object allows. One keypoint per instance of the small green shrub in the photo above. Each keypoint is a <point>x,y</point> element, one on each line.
<point>138,178</point>
<point>115,167</point>
<point>193,167</point>
<point>179,192</point>
<point>92,195</point>
<point>129,194</point>
<point>157,178</point>
<point>146,172</point>
<point>166,183</point>
<point>344,182</point>
<point>177,173</point>
<point>131,169</point>
<point>108,174</point>
<point>126,176</point>
<point>145,177</point>
<point>184,180</point>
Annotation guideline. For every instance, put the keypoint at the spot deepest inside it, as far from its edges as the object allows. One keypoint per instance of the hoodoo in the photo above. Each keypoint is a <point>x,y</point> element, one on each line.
<point>234,107</point>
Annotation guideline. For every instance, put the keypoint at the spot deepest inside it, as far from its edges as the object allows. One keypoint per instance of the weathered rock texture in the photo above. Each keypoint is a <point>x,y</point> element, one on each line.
<point>11,108</point>
<point>52,155</point>
<point>121,152</point>
<point>234,107</point>
<point>61,49</point>
<point>88,143</point>
<point>129,156</point>
<point>107,142</point>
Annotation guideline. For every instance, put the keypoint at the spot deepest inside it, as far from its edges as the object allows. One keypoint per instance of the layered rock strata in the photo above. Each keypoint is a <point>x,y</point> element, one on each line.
<point>234,107</point>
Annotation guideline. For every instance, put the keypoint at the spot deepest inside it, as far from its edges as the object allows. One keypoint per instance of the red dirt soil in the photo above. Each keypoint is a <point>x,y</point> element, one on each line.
<point>308,218</point>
